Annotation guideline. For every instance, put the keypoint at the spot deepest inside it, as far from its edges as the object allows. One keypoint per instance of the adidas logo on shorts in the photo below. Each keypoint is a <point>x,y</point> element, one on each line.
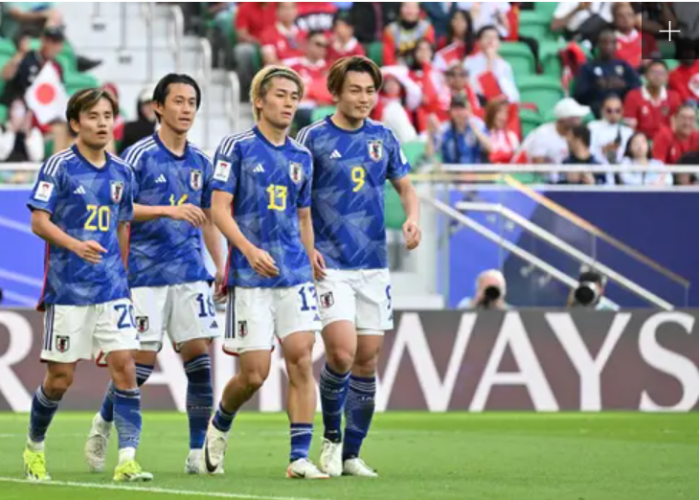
<point>161,179</point>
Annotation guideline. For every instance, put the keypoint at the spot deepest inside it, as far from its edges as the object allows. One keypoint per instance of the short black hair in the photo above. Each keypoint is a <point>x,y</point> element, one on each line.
<point>654,62</point>
<point>628,148</point>
<point>160,93</point>
<point>582,133</point>
<point>591,277</point>
<point>484,29</point>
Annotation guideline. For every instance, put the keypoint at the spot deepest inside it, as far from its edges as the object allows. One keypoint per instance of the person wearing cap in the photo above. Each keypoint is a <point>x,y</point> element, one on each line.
<point>145,123</point>
<point>464,139</point>
<point>547,143</point>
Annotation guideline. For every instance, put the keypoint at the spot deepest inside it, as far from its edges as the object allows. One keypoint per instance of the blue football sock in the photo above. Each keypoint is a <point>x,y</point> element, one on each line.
<point>43,410</point>
<point>300,435</point>
<point>359,409</point>
<point>223,420</point>
<point>334,391</point>
<point>200,398</point>
<point>107,409</point>
<point>127,417</point>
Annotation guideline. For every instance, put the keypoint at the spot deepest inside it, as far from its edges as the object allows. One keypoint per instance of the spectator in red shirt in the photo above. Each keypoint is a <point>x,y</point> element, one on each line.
<point>504,142</point>
<point>421,71</point>
<point>344,42</point>
<point>650,107</point>
<point>684,80</point>
<point>252,19</point>
<point>313,69</point>
<point>682,137</point>
<point>316,16</point>
<point>402,35</point>
<point>457,84</point>
<point>283,40</point>
<point>629,40</point>
<point>459,42</point>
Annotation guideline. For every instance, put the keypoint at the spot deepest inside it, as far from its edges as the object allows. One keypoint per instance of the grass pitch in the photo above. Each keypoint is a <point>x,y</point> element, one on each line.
<point>420,456</point>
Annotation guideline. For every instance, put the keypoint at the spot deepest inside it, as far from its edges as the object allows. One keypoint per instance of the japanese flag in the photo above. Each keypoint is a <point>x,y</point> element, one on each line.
<point>47,97</point>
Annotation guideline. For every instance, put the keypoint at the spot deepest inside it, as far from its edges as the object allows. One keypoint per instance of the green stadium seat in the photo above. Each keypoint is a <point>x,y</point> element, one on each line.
<point>7,48</point>
<point>549,56</point>
<point>544,91</point>
<point>3,113</point>
<point>546,9</point>
<point>535,25</point>
<point>375,51</point>
<point>520,58</point>
<point>321,112</point>
<point>394,216</point>
<point>48,147</point>
<point>672,63</point>
<point>74,81</point>
<point>529,120</point>
<point>668,49</point>
<point>414,151</point>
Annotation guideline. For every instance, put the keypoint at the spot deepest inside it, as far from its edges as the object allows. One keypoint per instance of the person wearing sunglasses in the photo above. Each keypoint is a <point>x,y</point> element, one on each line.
<point>650,107</point>
<point>609,135</point>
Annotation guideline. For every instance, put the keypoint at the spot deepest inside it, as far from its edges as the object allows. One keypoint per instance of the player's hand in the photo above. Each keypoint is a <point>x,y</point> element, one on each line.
<point>89,251</point>
<point>262,263</point>
<point>219,286</point>
<point>319,265</point>
<point>412,234</point>
<point>189,213</point>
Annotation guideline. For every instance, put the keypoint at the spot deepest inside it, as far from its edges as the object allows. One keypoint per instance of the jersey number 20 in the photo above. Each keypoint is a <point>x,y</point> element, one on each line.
<point>98,218</point>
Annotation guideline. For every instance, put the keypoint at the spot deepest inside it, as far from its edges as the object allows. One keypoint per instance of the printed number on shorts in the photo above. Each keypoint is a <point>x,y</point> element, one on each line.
<point>305,306</point>
<point>278,197</point>
<point>388,297</point>
<point>206,306</point>
<point>358,177</point>
<point>98,218</point>
<point>126,316</point>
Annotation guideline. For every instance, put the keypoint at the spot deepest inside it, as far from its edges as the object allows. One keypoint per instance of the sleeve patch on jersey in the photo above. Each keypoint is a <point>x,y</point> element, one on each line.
<point>43,191</point>
<point>404,160</point>
<point>222,171</point>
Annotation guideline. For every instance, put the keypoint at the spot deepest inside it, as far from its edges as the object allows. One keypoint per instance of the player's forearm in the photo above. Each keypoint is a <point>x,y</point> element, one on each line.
<point>143,213</point>
<point>123,237</point>
<point>409,198</point>
<point>51,233</point>
<point>10,69</point>
<point>223,220</point>
<point>212,240</point>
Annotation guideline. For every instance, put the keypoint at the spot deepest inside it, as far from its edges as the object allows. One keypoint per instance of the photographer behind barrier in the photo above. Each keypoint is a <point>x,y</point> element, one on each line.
<point>590,292</point>
<point>490,292</point>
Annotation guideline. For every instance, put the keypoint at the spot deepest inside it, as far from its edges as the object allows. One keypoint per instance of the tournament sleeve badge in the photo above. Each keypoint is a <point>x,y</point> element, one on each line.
<point>116,190</point>
<point>43,191</point>
<point>222,170</point>
<point>375,149</point>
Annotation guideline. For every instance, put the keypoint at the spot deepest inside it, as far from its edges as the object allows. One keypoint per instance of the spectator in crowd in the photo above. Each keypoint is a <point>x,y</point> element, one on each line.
<point>316,16</point>
<point>629,39</point>
<point>637,154</point>
<point>650,107</point>
<point>457,83</point>
<point>680,138</point>
<point>685,80</point>
<point>344,42</point>
<point>548,142</point>
<point>145,123</point>
<point>375,17</point>
<point>685,19</point>
<point>21,140</point>
<point>420,66</point>
<point>313,69</point>
<point>458,43</point>
<point>401,36</point>
<point>504,142</point>
<point>581,21</point>
<point>689,159</point>
<point>440,15</point>
<point>252,19</point>
<point>284,39</point>
<point>489,74</point>
<point>398,99</point>
<point>490,292</point>
<point>590,293</point>
<point>29,18</point>
<point>609,136</point>
<point>464,140</point>
<point>579,142</point>
<point>653,17</point>
<point>605,75</point>
<point>489,14</point>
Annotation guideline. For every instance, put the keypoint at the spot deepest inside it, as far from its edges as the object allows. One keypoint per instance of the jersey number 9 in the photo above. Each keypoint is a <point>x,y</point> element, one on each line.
<point>98,218</point>
<point>358,177</point>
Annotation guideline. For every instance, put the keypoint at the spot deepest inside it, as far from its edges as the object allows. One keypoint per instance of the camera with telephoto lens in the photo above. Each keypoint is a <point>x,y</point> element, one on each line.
<point>588,292</point>
<point>491,295</point>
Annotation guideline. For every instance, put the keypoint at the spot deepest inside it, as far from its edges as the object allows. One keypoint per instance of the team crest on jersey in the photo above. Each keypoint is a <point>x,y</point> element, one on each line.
<point>326,300</point>
<point>375,149</point>
<point>141,324</point>
<point>296,172</point>
<point>117,190</point>
<point>196,179</point>
<point>62,343</point>
<point>242,329</point>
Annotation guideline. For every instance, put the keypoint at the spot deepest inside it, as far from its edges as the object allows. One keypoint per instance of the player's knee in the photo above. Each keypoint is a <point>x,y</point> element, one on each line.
<point>340,360</point>
<point>254,379</point>
<point>300,368</point>
<point>365,366</point>
<point>56,384</point>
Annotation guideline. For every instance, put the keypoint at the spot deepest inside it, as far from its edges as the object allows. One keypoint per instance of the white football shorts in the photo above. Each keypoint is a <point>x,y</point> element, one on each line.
<point>362,297</point>
<point>184,312</point>
<point>72,333</point>
<point>255,316</point>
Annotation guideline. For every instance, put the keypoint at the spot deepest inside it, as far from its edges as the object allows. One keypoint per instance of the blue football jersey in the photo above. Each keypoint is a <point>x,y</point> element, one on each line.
<point>165,251</point>
<point>268,183</point>
<point>350,172</point>
<point>87,203</point>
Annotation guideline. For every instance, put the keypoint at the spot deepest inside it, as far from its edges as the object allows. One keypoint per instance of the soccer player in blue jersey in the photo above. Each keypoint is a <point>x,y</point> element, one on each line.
<point>81,206</point>
<point>170,285</point>
<point>262,193</point>
<point>353,158</point>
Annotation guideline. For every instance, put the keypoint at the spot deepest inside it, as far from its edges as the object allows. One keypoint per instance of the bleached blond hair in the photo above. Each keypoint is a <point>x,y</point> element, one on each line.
<point>263,80</point>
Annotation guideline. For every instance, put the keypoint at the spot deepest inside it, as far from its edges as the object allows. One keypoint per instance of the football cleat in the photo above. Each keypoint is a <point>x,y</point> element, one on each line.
<point>131,472</point>
<point>304,469</point>
<point>97,443</point>
<point>35,466</point>
<point>331,460</point>
<point>215,445</point>
<point>357,467</point>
